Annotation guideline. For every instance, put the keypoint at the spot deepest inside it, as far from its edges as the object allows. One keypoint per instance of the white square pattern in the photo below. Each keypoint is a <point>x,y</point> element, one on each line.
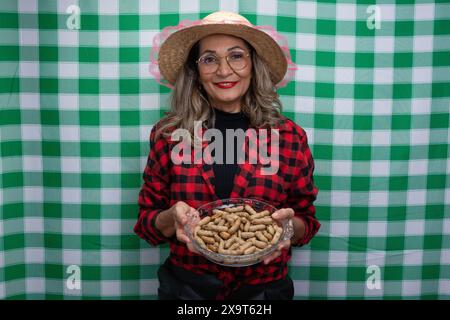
<point>35,285</point>
<point>191,6</point>
<point>424,11</point>
<point>31,132</point>
<point>411,287</point>
<point>68,70</point>
<point>306,9</point>
<point>416,197</point>
<point>381,138</point>
<point>109,102</point>
<point>340,198</point>
<point>34,255</point>
<point>383,76</point>
<point>68,101</point>
<point>110,288</point>
<point>344,75</point>
<point>33,194</point>
<point>108,133</point>
<point>344,106</point>
<point>421,106</point>
<point>415,227</point>
<point>148,7</point>
<point>340,228</point>
<point>266,7</point>
<point>420,137</point>
<point>110,196</point>
<point>109,70</point>
<point>110,257</point>
<point>28,37</point>
<point>69,133</point>
<point>32,163</point>
<point>30,101</point>
<point>71,195</point>
<point>108,7</point>
<point>29,69</point>
<point>418,167</point>
<point>71,226</point>
<point>423,43</point>
<point>68,37</point>
<point>382,107</point>
<point>305,41</point>
<point>413,257</point>
<point>343,137</point>
<point>379,168</point>
<point>384,44</point>
<point>422,75</point>
<point>304,104</point>
<point>108,38</point>
<point>28,6</point>
<point>341,168</point>
<point>33,224</point>
<point>345,43</point>
<point>337,288</point>
<point>345,11</point>
<point>72,257</point>
<point>338,258</point>
<point>70,164</point>
<point>146,38</point>
<point>376,228</point>
<point>378,198</point>
<point>110,165</point>
<point>306,73</point>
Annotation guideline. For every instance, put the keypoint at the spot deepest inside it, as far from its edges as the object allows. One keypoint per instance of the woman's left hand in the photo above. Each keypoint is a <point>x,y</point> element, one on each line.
<point>282,215</point>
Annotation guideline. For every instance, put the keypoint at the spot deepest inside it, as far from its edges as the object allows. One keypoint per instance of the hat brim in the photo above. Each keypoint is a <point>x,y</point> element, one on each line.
<point>175,50</point>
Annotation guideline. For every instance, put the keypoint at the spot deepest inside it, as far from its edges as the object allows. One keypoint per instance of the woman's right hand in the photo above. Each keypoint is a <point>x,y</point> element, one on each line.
<point>173,220</point>
<point>179,213</point>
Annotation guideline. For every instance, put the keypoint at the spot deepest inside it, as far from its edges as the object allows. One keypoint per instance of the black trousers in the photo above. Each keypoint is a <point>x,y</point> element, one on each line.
<point>175,283</point>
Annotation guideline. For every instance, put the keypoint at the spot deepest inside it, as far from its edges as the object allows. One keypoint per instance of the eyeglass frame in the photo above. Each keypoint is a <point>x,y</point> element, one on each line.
<point>246,55</point>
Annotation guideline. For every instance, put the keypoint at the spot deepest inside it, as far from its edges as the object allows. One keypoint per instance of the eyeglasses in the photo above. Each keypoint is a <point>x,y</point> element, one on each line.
<point>209,63</point>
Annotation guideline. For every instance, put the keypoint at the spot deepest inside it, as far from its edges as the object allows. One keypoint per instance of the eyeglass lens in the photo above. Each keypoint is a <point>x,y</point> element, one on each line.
<point>210,62</point>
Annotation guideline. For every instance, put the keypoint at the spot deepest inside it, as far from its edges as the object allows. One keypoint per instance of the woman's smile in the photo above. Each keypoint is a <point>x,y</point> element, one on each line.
<point>226,85</point>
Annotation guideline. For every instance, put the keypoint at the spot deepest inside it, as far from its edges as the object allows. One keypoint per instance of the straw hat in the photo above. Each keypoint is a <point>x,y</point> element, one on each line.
<point>175,49</point>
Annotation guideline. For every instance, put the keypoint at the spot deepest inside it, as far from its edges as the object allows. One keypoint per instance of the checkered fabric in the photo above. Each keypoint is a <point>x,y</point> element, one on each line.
<point>77,104</point>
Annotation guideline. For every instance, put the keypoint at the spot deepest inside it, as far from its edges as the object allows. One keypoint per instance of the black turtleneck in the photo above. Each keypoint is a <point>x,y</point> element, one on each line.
<point>224,173</point>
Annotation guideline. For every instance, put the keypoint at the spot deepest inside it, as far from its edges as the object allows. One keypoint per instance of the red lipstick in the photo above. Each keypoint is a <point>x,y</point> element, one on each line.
<point>225,85</point>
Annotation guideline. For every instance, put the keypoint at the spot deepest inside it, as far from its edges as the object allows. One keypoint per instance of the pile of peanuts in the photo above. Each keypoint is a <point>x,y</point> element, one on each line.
<point>238,230</point>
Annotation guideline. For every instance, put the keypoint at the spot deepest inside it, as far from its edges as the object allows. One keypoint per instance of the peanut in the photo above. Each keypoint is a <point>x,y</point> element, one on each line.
<point>238,230</point>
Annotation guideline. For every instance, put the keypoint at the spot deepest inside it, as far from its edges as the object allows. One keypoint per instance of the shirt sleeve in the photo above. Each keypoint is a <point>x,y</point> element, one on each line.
<point>303,192</point>
<point>154,194</point>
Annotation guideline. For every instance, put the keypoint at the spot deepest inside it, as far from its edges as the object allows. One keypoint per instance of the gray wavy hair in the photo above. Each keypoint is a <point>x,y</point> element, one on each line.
<point>261,103</point>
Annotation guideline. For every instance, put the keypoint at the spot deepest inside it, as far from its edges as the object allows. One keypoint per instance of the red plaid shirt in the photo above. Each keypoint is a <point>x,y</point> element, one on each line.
<point>291,186</point>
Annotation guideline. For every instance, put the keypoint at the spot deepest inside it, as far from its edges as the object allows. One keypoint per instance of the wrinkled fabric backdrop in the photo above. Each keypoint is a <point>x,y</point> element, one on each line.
<point>77,105</point>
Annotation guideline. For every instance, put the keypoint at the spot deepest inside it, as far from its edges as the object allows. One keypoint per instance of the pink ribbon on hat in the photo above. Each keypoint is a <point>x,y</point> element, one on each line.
<point>158,40</point>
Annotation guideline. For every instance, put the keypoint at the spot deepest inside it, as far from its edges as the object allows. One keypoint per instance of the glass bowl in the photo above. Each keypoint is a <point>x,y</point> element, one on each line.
<point>235,260</point>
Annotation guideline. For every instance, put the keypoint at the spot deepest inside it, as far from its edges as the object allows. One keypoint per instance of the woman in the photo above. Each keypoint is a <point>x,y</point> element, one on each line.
<point>223,71</point>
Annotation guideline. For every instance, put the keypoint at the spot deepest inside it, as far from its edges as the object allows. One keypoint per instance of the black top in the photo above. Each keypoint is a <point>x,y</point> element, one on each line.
<point>224,173</point>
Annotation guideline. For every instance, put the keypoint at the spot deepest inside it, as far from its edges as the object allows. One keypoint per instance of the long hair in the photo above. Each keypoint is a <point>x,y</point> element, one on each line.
<point>189,101</point>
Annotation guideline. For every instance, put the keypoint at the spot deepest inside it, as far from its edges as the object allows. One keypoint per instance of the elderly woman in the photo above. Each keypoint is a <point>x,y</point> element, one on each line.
<point>224,72</point>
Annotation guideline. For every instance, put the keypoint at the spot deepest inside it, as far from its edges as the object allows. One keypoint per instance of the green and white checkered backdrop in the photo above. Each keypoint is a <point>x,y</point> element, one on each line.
<point>372,91</point>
